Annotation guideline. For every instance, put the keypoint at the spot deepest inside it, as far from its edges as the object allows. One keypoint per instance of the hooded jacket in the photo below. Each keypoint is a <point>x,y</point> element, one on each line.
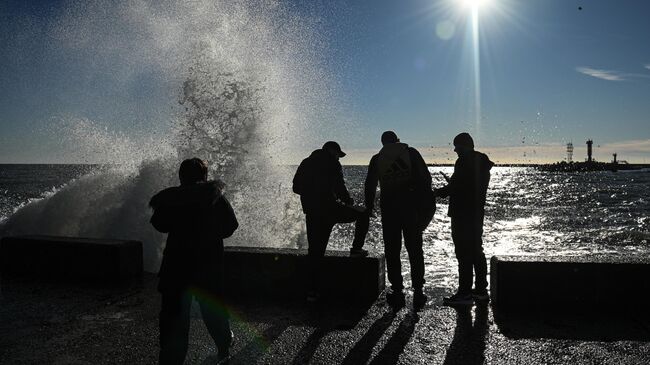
<point>197,217</point>
<point>467,188</point>
<point>319,181</point>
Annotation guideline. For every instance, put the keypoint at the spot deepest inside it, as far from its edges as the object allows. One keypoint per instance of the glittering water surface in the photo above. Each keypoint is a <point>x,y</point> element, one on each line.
<point>528,212</point>
<point>533,212</point>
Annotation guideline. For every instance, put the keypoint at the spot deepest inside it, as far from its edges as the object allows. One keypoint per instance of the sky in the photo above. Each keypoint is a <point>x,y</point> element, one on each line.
<point>549,72</point>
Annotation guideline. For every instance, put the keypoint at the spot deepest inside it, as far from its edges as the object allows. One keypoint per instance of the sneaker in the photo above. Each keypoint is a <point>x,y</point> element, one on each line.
<point>458,299</point>
<point>358,252</point>
<point>419,300</point>
<point>313,296</point>
<point>396,299</point>
<point>480,295</point>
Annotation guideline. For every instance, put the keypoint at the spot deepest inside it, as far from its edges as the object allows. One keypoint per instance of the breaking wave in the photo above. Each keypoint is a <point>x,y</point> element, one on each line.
<point>249,83</point>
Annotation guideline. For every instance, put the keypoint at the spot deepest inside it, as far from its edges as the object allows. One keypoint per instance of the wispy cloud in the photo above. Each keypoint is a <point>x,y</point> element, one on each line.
<point>608,75</point>
<point>612,75</point>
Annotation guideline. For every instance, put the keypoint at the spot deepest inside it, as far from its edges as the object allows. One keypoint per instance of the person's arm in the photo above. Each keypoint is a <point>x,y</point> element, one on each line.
<point>162,219</point>
<point>340,191</point>
<point>227,220</point>
<point>453,182</point>
<point>370,186</point>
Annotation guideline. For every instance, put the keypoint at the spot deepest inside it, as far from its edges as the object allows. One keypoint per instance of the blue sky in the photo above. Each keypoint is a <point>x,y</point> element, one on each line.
<point>549,73</point>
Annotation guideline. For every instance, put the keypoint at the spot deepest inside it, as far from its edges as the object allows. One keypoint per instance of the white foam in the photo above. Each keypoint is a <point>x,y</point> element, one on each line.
<point>250,84</point>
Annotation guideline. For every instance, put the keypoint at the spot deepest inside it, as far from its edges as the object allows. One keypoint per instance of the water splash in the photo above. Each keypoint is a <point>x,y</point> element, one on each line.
<point>250,87</point>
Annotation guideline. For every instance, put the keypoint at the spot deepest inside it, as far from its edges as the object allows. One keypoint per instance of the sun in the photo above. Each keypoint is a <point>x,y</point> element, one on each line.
<point>473,4</point>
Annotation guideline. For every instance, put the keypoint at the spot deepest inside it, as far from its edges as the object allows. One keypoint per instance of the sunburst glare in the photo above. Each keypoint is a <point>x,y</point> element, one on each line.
<point>474,4</point>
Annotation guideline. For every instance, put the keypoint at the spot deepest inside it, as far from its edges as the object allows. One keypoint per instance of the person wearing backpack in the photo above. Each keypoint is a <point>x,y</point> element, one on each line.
<point>197,217</point>
<point>407,205</point>
<point>326,201</point>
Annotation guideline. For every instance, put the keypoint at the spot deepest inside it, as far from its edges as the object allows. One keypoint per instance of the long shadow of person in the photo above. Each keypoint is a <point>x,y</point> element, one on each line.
<point>396,344</point>
<point>309,348</point>
<point>468,344</point>
<point>360,353</point>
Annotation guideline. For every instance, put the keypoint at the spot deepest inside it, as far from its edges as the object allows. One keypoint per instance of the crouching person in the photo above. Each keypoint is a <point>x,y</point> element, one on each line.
<point>197,217</point>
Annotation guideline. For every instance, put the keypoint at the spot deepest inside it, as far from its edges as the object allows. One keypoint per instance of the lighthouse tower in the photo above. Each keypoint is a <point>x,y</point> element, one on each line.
<point>569,152</point>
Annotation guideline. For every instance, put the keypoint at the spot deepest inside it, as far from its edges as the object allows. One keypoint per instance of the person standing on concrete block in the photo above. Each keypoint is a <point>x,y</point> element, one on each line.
<point>405,184</point>
<point>467,189</point>
<point>325,201</point>
<point>197,217</point>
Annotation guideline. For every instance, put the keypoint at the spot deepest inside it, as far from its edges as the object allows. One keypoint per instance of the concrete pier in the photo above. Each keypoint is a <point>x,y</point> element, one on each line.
<point>250,272</point>
<point>569,283</point>
<point>71,258</point>
<point>283,273</point>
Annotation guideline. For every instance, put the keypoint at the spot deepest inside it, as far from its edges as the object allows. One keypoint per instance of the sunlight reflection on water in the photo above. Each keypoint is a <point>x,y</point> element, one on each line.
<point>530,212</point>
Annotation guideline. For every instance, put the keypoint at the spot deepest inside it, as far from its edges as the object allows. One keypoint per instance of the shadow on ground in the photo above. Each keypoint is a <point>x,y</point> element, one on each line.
<point>581,326</point>
<point>469,341</point>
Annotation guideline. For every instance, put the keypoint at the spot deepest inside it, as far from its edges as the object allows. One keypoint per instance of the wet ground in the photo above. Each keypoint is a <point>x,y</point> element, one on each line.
<point>50,323</point>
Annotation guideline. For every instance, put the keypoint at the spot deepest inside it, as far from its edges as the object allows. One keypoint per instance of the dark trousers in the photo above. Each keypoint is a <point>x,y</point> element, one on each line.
<point>175,325</point>
<point>319,229</point>
<point>397,222</point>
<point>468,243</point>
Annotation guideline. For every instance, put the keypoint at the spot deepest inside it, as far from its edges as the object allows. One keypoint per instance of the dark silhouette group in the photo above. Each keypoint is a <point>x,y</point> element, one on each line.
<point>197,217</point>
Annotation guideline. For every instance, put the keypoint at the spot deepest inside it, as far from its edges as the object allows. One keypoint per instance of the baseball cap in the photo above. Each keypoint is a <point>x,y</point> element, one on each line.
<point>331,145</point>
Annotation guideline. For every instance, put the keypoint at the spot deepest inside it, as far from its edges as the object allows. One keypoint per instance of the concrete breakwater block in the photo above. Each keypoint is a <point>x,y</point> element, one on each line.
<point>257,272</point>
<point>83,259</point>
<point>569,283</point>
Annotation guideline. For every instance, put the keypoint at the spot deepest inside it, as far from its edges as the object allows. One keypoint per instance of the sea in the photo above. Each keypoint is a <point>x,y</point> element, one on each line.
<point>528,212</point>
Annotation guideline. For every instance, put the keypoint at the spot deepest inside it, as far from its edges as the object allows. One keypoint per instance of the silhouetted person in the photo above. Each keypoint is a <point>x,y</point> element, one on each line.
<point>467,189</point>
<point>197,217</point>
<point>404,180</point>
<point>325,201</point>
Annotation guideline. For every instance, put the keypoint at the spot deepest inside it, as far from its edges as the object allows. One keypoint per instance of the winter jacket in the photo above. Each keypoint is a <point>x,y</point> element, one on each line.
<point>197,217</point>
<point>402,175</point>
<point>319,182</point>
<point>467,187</point>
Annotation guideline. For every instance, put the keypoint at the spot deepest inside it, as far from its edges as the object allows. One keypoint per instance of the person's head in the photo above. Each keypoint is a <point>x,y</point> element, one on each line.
<point>333,149</point>
<point>463,143</point>
<point>193,170</point>
<point>389,137</point>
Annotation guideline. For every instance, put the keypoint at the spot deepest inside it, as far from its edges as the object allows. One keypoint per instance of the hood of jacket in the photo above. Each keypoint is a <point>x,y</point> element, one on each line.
<point>322,156</point>
<point>202,193</point>
<point>393,150</point>
<point>483,159</point>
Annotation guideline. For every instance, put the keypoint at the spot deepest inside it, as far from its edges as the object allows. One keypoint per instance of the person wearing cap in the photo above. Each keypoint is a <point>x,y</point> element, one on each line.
<point>404,182</point>
<point>467,189</point>
<point>326,201</point>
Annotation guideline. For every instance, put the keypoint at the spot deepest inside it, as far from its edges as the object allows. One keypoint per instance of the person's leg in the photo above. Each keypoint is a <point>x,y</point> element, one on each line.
<point>347,214</point>
<point>479,260</point>
<point>174,327</point>
<point>319,229</point>
<point>392,232</point>
<point>463,246</point>
<point>413,243</point>
<point>216,319</point>
<point>361,227</point>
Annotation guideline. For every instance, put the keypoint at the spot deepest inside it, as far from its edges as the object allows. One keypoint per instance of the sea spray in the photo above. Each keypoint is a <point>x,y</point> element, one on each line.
<point>250,88</point>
